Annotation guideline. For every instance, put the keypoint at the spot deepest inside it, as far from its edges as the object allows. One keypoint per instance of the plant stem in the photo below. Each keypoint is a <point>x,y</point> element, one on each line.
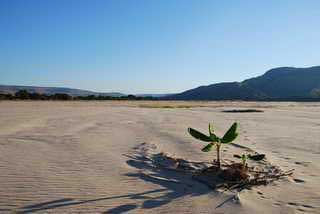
<point>218,155</point>
<point>243,164</point>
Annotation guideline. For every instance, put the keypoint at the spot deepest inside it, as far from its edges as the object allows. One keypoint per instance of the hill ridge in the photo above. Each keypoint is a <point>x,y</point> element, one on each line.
<point>283,83</point>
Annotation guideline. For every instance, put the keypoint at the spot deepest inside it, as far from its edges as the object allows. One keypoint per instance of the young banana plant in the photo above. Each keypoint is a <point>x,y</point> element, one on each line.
<point>214,140</point>
<point>244,158</point>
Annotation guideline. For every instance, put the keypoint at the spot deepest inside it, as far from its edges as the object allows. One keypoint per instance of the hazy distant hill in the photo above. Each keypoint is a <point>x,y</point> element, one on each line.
<point>154,95</point>
<point>285,83</point>
<point>53,90</point>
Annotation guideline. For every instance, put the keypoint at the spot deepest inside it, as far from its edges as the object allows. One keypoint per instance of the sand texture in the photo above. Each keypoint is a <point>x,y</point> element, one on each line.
<point>92,157</point>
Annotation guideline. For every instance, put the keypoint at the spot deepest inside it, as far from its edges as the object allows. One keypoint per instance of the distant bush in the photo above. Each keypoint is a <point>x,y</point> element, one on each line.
<point>22,95</point>
<point>6,97</point>
<point>61,97</point>
<point>25,95</point>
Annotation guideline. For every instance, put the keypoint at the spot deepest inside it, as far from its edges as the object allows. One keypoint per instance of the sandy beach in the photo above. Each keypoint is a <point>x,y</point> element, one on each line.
<point>85,157</point>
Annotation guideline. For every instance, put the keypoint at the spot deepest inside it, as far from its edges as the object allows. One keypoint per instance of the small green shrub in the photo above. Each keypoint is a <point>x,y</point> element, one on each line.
<point>244,158</point>
<point>214,140</point>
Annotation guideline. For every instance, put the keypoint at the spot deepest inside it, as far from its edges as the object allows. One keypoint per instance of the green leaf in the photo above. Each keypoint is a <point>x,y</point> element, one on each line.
<point>237,156</point>
<point>211,130</point>
<point>207,148</point>
<point>213,137</point>
<point>198,135</point>
<point>231,134</point>
<point>256,157</point>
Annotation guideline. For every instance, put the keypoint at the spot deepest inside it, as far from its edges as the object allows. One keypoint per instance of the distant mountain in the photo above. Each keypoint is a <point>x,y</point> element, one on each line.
<point>11,89</point>
<point>284,83</point>
<point>154,95</point>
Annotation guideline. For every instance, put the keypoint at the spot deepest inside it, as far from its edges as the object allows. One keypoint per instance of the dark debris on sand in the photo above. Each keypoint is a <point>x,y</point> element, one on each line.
<point>229,176</point>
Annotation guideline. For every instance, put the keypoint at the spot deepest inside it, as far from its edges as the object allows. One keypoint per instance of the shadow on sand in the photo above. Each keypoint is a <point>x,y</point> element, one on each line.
<point>174,185</point>
<point>65,202</point>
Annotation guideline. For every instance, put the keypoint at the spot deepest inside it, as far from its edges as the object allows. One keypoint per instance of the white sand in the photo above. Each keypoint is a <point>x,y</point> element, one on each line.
<point>74,157</point>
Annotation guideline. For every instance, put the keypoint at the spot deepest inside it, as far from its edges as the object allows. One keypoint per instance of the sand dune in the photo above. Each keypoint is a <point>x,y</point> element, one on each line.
<point>81,157</point>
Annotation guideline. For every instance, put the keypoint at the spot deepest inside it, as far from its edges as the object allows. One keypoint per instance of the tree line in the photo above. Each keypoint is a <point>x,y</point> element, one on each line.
<point>25,95</point>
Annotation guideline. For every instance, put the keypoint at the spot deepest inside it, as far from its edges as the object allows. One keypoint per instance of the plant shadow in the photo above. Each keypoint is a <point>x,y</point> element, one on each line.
<point>173,185</point>
<point>176,184</point>
<point>65,202</point>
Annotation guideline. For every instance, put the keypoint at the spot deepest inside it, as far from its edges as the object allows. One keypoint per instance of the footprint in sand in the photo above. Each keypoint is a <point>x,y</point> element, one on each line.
<point>293,204</point>
<point>297,180</point>
<point>305,164</point>
<point>307,206</point>
<point>286,158</point>
<point>301,207</point>
<point>277,204</point>
<point>260,193</point>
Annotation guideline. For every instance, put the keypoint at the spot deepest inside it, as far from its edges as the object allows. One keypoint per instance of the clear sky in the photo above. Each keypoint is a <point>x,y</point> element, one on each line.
<point>153,46</point>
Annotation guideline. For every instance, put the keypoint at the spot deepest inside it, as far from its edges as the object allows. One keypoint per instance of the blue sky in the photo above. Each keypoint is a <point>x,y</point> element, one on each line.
<point>152,46</point>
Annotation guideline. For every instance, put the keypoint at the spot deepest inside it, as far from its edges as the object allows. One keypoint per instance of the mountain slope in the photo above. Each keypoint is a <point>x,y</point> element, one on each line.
<point>11,89</point>
<point>154,95</point>
<point>279,83</point>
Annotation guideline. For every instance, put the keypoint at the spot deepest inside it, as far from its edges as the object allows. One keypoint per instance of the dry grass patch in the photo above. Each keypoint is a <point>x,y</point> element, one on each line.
<point>243,111</point>
<point>170,106</point>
